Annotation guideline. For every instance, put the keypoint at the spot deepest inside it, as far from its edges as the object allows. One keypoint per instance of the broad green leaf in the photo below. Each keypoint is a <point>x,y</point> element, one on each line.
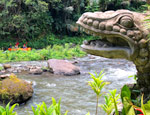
<point>7,108</point>
<point>2,109</point>
<point>66,113</point>
<point>127,107</point>
<point>45,106</point>
<point>33,109</point>
<point>147,108</point>
<point>4,113</point>
<point>12,108</point>
<point>54,101</point>
<point>125,92</point>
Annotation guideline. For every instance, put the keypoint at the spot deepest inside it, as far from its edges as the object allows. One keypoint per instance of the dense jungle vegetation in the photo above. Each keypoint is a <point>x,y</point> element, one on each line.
<point>48,22</point>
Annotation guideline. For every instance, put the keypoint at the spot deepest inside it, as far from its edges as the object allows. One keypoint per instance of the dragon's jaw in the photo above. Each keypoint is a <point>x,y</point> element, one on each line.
<point>115,43</point>
<point>108,52</point>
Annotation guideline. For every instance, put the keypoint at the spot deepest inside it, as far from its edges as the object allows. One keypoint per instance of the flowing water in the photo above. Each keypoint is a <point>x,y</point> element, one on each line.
<point>76,96</point>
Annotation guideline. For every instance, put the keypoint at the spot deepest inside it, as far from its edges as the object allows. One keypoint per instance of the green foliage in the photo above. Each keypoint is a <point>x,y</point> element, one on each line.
<point>128,108</point>
<point>92,8</point>
<point>134,76</point>
<point>114,100</point>
<point>24,19</point>
<point>145,107</point>
<point>33,19</point>
<point>45,41</point>
<point>111,101</point>
<point>97,85</point>
<point>125,92</point>
<point>41,109</point>
<point>53,109</point>
<point>55,51</point>
<point>7,110</point>
<point>108,106</point>
<point>104,5</point>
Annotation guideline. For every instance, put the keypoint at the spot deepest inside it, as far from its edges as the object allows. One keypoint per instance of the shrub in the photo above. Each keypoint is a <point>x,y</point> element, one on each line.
<point>53,109</point>
<point>24,19</point>
<point>57,52</point>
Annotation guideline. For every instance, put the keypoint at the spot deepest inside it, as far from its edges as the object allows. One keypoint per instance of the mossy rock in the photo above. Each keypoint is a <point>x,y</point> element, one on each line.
<point>15,90</point>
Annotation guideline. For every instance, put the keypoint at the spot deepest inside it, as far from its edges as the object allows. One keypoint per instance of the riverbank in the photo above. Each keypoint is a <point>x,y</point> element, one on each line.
<point>66,51</point>
<point>45,41</point>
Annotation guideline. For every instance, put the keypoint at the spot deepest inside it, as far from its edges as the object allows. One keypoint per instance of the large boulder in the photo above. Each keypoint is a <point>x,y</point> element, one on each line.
<point>15,90</point>
<point>62,67</point>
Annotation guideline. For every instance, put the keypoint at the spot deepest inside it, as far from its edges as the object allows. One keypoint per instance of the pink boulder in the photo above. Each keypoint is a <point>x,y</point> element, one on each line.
<point>62,67</point>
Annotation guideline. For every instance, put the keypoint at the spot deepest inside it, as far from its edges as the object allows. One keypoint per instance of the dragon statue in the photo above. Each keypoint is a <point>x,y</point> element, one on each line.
<point>123,35</point>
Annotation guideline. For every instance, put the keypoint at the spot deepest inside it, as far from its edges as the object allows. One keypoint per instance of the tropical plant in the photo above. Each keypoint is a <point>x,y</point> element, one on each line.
<point>24,19</point>
<point>53,109</point>
<point>114,100</point>
<point>92,7</point>
<point>111,101</point>
<point>108,107</point>
<point>129,108</point>
<point>7,110</point>
<point>97,85</point>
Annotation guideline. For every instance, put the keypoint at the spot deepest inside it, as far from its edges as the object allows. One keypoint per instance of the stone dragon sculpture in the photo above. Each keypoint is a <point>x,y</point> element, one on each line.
<point>123,35</point>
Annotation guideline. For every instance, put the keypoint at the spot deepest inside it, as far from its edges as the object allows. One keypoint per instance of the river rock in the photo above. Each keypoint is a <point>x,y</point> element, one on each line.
<point>15,90</point>
<point>7,66</point>
<point>62,67</point>
<point>4,76</point>
<point>36,71</point>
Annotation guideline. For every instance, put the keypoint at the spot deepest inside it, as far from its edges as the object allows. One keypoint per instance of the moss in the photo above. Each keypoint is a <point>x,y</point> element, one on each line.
<point>13,88</point>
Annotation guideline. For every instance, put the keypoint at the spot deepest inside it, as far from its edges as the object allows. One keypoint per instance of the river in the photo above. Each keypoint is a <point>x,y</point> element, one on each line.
<point>76,96</point>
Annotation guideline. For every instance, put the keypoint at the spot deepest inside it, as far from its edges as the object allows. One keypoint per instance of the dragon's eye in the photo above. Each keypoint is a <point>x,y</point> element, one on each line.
<point>126,21</point>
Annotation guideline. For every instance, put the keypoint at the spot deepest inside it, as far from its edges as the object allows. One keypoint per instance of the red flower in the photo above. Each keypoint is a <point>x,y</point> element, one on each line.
<point>138,109</point>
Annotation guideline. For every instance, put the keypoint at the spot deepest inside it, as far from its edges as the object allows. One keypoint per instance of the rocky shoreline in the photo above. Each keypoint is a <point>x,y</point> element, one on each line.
<point>62,67</point>
<point>21,87</point>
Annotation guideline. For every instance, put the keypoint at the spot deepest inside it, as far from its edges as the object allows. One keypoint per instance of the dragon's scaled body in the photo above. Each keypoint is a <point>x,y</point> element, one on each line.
<point>123,35</point>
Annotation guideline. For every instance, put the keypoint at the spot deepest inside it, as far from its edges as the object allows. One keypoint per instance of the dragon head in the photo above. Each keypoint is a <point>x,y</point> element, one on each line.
<point>121,31</point>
